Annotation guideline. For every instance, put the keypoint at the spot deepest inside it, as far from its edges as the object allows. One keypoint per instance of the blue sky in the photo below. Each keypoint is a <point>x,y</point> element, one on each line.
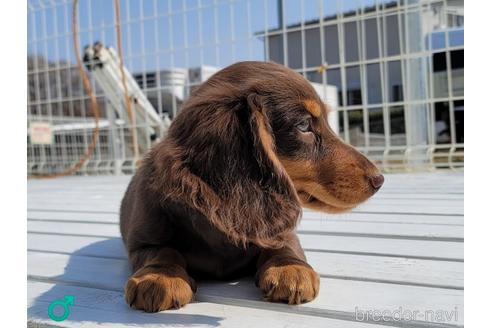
<point>141,52</point>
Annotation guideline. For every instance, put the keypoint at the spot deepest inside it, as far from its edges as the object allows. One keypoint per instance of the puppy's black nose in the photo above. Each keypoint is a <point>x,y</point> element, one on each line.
<point>377,180</point>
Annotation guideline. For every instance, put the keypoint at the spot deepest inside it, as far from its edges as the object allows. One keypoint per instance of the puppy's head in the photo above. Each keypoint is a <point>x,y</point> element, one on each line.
<point>327,174</point>
<point>251,145</point>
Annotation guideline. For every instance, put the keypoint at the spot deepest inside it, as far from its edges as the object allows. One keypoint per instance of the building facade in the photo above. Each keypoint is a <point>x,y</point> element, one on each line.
<point>397,66</point>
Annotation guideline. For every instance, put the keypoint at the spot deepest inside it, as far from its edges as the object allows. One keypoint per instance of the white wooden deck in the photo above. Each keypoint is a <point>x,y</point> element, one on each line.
<point>401,252</point>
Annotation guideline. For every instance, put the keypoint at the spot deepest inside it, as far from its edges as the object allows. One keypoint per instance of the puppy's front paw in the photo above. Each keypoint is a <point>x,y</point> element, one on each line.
<point>290,283</point>
<point>156,288</point>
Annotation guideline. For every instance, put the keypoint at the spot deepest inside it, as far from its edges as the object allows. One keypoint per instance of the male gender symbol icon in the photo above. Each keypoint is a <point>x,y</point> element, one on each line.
<point>69,300</point>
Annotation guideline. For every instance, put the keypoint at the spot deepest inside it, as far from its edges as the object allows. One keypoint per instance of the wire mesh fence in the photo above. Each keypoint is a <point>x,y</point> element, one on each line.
<point>397,67</point>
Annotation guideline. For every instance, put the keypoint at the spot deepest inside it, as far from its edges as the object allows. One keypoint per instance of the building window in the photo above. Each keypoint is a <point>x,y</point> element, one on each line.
<point>442,124</point>
<point>392,36</point>
<point>332,50</point>
<point>313,47</point>
<point>438,40</point>
<point>373,75</point>
<point>440,75</point>
<point>354,93</point>
<point>351,42</point>
<point>397,126</point>
<point>294,42</point>
<point>376,127</point>
<point>333,78</point>
<point>395,84</point>
<point>458,72</point>
<point>276,48</point>
<point>151,81</point>
<point>372,40</point>
<point>459,120</point>
<point>457,38</point>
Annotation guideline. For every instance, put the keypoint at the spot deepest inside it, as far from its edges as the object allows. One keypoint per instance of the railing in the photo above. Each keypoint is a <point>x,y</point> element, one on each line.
<point>397,67</point>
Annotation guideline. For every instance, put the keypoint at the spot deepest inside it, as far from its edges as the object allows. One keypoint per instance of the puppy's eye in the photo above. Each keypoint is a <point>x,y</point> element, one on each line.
<point>304,126</point>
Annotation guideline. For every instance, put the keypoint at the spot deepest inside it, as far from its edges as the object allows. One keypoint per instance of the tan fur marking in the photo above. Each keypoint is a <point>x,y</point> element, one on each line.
<point>312,107</point>
<point>267,142</point>
<point>305,178</point>
<point>299,169</point>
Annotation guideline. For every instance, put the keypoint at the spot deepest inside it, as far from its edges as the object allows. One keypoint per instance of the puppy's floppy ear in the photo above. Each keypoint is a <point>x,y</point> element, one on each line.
<point>264,144</point>
<point>219,159</point>
<point>279,197</point>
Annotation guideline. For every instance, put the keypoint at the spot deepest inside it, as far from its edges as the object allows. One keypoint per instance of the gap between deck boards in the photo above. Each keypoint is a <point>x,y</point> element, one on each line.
<point>324,233</point>
<point>116,222</point>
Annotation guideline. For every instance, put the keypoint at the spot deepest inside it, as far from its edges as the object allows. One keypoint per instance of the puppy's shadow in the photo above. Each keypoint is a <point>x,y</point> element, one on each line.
<point>96,275</point>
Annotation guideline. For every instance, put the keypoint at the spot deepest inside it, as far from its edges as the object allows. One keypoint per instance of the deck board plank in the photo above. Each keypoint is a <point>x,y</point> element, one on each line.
<point>402,231</point>
<point>112,205</point>
<point>420,249</point>
<point>345,266</point>
<point>402,249</point>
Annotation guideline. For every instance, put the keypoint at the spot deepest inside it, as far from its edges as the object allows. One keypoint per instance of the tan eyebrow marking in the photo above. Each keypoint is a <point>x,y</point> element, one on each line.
<point>312,107</point>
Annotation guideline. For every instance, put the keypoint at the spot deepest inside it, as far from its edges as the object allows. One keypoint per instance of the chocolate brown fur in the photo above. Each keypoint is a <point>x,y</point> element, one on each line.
<point>221,195</point>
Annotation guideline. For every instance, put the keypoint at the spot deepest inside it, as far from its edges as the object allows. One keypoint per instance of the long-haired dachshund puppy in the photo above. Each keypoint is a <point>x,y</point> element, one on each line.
<point>221,195</point>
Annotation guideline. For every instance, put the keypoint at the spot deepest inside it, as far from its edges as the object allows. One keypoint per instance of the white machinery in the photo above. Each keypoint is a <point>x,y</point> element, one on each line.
<point>104,64</point>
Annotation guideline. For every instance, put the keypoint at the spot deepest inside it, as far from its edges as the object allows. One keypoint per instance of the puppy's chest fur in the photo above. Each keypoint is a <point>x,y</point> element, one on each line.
<point>209,253</point>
